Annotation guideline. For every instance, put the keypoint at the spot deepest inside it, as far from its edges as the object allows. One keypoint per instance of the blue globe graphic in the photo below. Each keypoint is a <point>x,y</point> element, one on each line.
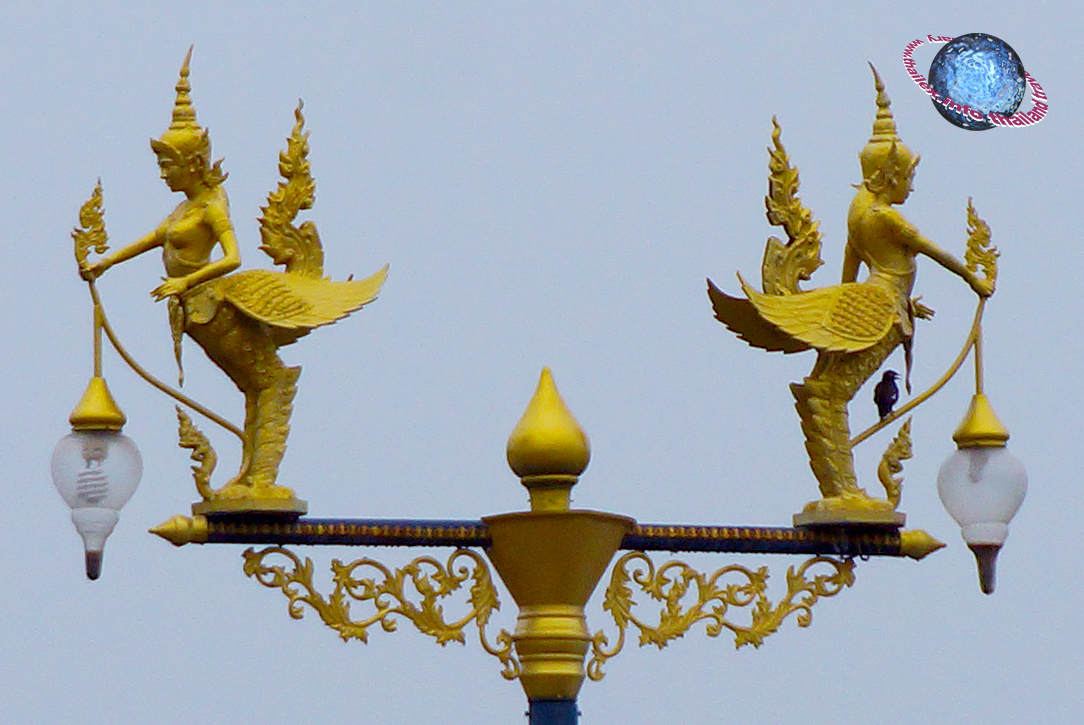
<point>979,71</point>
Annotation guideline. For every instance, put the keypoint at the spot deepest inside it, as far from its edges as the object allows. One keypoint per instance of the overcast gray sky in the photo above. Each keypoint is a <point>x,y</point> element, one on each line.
<point>551,184</point>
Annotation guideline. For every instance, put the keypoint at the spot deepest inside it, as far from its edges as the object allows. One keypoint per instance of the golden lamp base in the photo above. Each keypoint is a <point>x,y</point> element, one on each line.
<point>551,562</point>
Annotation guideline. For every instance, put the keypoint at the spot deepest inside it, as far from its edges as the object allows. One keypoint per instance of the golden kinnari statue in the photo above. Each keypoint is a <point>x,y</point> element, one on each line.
<point>240,319</point>
<point>853,326</point>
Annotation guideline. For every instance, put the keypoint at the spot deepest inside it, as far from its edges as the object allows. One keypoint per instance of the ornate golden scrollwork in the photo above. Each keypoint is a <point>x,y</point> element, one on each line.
<point>671,584</point>
<point>389,592</point>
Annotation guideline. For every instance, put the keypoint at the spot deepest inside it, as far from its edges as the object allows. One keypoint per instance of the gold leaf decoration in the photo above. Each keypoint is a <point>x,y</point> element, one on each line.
<point>392,594</point>
<point>787,264</point>
<point>203,454</point>
<point>298,248</point>
<point>980,252</point>
<point>90,234</point>
<point>710,599</point>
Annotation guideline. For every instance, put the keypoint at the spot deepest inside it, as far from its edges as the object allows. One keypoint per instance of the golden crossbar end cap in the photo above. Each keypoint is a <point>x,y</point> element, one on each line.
<point>180,530</point>
<point>918,544</point>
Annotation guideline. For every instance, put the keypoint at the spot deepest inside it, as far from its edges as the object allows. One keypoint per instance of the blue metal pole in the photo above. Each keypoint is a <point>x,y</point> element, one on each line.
<point>553,712</point>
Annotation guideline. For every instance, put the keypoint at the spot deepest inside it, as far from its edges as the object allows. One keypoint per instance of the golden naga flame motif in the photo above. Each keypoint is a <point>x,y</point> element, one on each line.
<point>711,602</point>
<point>390,593</point>
<point>90,234</point>
<point>892,462</point>
<point>240,319</point>
<point>853,326</point>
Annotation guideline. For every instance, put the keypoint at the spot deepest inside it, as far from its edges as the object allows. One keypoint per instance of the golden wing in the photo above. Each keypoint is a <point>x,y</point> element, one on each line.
<point>293,304</point>
<point>743,319</point>
<point>845,318</point>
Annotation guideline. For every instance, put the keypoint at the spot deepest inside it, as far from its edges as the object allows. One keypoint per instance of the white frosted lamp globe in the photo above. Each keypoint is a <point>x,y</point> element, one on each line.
<point>982,488</point>
<point>96,472</point>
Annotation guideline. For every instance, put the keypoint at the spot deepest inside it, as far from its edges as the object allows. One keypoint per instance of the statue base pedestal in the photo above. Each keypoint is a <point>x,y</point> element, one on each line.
<point>850,511</point>
<point>286,507</point>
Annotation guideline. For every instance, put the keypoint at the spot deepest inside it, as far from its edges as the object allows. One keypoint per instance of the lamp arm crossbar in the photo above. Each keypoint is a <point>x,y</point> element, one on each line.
<point>974,340</point>
<point>834,540</point>
<point>102,322</point>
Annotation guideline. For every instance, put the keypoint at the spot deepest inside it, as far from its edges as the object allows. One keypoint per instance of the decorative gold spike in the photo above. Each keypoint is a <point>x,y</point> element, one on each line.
<point>884,125</point>
<point>547,449</point>
<point>180,530</point>
<point>184,140</point>
<point>885,141</point>
<point>184,113</point>
<point>917,544</point>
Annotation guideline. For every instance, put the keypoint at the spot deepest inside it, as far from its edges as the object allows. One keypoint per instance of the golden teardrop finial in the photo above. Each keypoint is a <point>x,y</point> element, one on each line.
<point>184,113</point>
<point>547,449</point>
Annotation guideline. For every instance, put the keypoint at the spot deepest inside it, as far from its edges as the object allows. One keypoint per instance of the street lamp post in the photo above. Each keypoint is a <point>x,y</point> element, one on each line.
<point>551,558</point>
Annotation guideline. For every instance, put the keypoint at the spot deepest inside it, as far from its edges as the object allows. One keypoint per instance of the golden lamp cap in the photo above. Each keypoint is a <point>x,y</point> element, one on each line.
<point>980,427</point>
<point>548,441</point>
<point>97,410</point>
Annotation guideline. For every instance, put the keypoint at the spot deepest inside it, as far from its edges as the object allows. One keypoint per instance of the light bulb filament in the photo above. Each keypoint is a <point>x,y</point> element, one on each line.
<point>92,484</point>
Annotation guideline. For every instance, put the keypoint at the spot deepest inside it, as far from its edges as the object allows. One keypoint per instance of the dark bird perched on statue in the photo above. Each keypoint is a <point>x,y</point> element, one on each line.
<point>885,393</point>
